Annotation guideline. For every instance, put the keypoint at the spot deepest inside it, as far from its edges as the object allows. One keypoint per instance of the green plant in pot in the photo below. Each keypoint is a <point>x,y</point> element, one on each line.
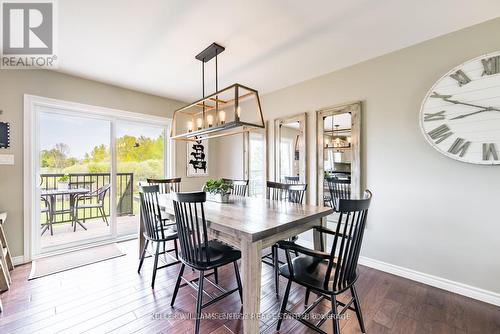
<point>217,190</point>
<point>63,182</point>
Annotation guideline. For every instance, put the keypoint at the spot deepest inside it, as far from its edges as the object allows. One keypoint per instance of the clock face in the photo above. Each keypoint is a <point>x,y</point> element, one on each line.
<point>460,115</point>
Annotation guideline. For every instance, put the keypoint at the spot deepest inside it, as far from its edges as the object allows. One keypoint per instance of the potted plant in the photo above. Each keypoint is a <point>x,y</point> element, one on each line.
<point>217,190</point>
<point>63,182</point>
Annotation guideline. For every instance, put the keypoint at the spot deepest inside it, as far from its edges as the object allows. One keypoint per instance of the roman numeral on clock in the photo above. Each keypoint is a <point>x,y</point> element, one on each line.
<point>440,133</point>
<point>461,77</point>
<point>489,150</point>
<point>491,65</point>
<point>459,147</point>
<point>434,116</point>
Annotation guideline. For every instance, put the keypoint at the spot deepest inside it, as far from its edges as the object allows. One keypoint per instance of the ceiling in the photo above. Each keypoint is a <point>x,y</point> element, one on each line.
<point>150,45</point>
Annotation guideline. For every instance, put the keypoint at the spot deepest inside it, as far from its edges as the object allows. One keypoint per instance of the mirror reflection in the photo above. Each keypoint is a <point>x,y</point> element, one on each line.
<point>291,148</point>
<point>337,157</point>
<point>337,146</point>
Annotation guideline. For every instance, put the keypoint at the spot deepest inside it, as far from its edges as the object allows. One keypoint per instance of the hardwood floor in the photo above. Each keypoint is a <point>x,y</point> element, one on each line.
<point>110,297</point>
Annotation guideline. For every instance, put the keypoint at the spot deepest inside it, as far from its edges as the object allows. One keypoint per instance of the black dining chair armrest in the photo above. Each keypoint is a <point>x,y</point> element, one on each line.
<point>292,246</point>
<point>326,230</point>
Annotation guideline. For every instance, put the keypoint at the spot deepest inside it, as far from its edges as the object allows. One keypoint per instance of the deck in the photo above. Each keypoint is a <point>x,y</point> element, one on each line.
<point>63,233</point>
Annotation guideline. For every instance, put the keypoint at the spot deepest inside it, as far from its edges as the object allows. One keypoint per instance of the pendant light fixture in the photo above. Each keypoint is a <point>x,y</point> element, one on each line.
<point>231,110</point>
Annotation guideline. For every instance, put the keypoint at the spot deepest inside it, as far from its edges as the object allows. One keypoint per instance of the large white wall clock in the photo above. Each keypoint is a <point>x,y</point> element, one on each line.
<point>460,115</point>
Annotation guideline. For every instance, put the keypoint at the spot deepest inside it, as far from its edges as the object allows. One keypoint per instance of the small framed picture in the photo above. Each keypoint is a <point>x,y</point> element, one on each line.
<point>4,135</point>
<point>197,158</point>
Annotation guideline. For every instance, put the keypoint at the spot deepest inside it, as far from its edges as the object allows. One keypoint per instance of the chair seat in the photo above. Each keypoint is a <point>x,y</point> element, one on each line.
<point>219,254</point>
<point>309,271</point>
<point>170,233</point>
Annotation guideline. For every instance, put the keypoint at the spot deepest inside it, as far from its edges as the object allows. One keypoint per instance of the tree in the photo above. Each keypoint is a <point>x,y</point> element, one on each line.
<point>99,154</point>
<point>55,157</point>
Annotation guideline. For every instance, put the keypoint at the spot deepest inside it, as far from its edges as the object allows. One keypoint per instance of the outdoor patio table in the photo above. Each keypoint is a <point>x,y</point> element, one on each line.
<point>51,195</point>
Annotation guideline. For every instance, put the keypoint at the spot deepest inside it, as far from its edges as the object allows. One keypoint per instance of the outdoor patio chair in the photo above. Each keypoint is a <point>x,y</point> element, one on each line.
<point>93,200</point>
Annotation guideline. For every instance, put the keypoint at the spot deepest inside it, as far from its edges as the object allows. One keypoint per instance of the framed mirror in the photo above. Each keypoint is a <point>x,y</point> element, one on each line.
<point>290,149</point>
<point>338,148</point>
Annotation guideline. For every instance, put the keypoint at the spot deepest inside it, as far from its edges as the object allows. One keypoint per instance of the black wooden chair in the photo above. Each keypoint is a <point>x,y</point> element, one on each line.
<point>48,216</point>
<point>292,179</point>
<point>166,185</point>
<point>293,193</point>
<point>93,200</point>
<point>154,230</point>
<point>198,251</point>
<point>240,187</point>
<point>338,189</point>
<point>329,274</point>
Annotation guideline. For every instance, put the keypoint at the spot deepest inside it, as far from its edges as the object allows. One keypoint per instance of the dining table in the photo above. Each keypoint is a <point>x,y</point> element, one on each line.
<point>251,225</point>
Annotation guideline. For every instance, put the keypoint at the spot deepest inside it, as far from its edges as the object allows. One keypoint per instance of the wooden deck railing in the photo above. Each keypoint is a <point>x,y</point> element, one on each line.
<point>92,181</point>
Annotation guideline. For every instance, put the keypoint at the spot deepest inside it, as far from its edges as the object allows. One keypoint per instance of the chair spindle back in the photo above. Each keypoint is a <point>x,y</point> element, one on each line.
<point>167,185</point>
<point>150,213</point>
<point>347,241</point>
<point>192,227</point>
<point>240,187</point>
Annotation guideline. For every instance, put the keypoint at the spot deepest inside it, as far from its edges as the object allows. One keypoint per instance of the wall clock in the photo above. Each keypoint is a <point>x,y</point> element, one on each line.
<point>460,115</point>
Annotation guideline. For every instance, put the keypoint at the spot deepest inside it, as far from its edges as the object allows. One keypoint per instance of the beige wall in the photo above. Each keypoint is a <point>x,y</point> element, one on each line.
<point>429,213</point>
<point>15,83</point>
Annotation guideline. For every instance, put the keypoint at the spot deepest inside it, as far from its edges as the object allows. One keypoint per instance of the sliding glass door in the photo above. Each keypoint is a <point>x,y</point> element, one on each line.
<point>75,179</point>
<point>87,163</point>
<point>140,154</point>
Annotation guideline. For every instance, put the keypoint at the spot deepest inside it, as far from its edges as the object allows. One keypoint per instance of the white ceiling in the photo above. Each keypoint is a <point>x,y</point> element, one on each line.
<point>150,45</point>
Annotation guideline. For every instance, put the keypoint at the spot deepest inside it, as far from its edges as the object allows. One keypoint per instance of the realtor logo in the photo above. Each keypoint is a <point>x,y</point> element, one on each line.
<point>27,34</point>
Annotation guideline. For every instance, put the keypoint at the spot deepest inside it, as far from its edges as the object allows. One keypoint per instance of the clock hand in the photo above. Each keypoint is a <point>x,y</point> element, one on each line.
<point>447,99</point>
<point>472,113</point>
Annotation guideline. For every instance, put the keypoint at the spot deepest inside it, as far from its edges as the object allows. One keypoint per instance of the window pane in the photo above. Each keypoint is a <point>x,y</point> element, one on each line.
<point>257,172</point>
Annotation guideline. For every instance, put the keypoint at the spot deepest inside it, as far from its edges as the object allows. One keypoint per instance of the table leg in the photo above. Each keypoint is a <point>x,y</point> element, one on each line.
<point>74,214</point>
<point>251,266</point>
<point>319,239</point>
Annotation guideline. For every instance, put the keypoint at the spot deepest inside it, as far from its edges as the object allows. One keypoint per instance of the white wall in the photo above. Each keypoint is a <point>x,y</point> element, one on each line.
<point>430,213</point>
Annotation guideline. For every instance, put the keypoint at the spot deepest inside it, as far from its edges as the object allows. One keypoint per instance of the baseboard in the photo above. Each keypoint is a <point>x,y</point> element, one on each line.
<point>18,260</point>
<point>486,296</point>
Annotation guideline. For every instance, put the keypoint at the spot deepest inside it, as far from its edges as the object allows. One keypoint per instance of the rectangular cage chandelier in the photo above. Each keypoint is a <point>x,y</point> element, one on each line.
<point>231,110</point>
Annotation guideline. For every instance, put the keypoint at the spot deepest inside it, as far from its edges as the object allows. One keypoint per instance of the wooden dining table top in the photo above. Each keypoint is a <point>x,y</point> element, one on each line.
<point>253,218</point>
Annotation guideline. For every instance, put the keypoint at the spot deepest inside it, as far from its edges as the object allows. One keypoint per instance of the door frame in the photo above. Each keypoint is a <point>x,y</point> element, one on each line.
<point>31,161</point>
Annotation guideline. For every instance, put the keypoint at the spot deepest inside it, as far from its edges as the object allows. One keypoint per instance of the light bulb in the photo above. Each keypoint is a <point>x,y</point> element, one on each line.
<point>210,120</point>
<point>199,123</point>
<point>238,111</point>
<point>190,126</point>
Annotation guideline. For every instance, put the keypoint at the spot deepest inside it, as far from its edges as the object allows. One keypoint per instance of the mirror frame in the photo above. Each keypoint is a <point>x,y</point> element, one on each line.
<point>302,119</point>
<point>355,109</point>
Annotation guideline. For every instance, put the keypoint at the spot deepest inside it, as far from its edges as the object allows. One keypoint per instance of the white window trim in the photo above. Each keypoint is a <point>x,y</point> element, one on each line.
<point>31,138</point>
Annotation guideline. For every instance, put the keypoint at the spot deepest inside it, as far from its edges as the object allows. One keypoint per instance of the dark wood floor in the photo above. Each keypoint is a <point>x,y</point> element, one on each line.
<point>111,297</point>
